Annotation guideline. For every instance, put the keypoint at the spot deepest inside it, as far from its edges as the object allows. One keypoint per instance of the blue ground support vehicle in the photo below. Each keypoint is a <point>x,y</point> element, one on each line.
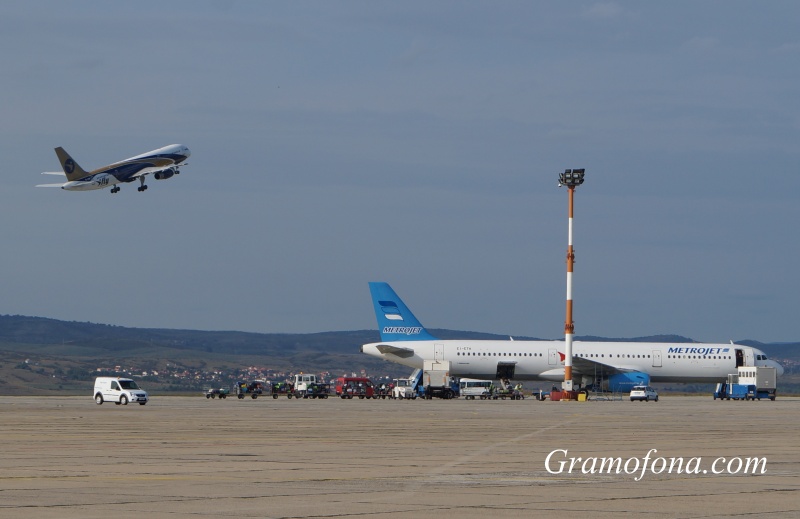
<point>750,383</point>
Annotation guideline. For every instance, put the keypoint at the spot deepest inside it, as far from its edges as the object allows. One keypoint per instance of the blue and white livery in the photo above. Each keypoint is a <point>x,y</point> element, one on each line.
<point>615,366</point>
<point>162,163</point>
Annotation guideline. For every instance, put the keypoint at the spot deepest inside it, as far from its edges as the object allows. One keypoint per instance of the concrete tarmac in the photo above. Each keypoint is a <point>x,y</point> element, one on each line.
<point>177,457</point>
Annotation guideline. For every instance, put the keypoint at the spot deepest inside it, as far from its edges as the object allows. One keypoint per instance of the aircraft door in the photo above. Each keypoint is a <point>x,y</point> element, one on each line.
<point>656,358</point>
<point>749,358</point>
<point>739,358</point>
<point>505,370</point>
<point>438,352</point>
<point>552,357</point>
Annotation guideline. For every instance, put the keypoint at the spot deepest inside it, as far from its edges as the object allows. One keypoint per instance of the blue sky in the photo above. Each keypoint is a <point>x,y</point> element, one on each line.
<point>419,143</point>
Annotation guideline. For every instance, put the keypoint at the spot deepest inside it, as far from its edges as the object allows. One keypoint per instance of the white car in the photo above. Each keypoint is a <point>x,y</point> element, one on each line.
<point>645,393</point>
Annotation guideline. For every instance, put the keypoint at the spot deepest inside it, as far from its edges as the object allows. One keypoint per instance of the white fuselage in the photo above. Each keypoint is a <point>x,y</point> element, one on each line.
<point>130,169</point>
<point>544,360</point>
<point>98,181</point>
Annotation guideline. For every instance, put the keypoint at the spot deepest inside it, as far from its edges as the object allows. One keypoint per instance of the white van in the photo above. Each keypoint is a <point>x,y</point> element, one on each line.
<point>118,390</point>
<point>472,387</point>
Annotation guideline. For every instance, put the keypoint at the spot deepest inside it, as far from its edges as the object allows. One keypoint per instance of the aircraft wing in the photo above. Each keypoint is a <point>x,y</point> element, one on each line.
<point>157,169</point>
<point>590,367</point>
<point>145,171</point>
<point>395,350</point>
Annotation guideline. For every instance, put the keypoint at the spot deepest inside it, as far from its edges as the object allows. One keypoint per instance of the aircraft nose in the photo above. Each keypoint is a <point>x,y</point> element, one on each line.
<point>778,367</point>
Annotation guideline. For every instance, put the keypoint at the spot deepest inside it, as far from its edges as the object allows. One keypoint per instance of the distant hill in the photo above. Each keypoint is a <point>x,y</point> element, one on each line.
<point>48,354</point>
<point>92,339</point>
<point>85,338</point>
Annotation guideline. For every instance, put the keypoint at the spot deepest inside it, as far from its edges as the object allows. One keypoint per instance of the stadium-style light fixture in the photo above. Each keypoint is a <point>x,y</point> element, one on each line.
<point>571,178</point>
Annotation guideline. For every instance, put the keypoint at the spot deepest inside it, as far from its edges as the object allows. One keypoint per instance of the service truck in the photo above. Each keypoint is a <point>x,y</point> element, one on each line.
<point>437,381</point>
<point>749,383</point>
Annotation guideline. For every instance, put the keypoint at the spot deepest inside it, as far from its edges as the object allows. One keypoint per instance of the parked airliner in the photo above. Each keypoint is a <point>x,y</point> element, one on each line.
<point>163,163</point>
<point>614,366</point>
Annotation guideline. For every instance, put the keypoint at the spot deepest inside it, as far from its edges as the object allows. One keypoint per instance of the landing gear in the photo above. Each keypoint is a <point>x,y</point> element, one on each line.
<point>142,187</point>
<point>115,189</point>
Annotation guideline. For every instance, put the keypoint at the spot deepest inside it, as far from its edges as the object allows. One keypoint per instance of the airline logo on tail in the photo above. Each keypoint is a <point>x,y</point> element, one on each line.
<point>392,313</point>
<point>403,330</point>
<point>390,310</point>
<point>395,320</point>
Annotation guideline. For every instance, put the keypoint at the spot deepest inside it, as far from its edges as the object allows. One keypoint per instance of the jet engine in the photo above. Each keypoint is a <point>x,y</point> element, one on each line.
<point>165,173</point>
<point>623,382</point>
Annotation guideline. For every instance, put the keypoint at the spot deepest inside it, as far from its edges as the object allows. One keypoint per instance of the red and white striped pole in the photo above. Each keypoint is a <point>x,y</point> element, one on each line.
<point>571,179</point>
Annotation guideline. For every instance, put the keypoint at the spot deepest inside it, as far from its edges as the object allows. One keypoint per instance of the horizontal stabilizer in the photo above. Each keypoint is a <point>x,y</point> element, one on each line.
<point>395,350</point>
<point>50,185</point>
<point>59,173</point>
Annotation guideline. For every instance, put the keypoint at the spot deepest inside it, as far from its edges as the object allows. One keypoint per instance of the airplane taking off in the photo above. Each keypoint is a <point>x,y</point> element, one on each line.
<point>163,163</point>
<point>612,366</point>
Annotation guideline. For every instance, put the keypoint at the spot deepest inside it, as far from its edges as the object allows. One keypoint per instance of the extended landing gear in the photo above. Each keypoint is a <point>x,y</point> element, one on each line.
<point>115,189</point>
<point>142,187</point>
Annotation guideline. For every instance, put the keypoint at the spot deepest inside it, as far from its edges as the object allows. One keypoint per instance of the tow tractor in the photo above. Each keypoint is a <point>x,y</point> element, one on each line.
<point>217,392</point>
<point>403,389</point>
<point>406,388</point>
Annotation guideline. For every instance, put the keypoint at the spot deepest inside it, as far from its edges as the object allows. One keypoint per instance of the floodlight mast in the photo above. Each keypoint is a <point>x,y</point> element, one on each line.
<point>571,178</point>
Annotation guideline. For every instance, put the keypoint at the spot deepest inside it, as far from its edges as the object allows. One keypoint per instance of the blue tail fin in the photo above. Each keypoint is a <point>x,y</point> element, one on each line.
<point>395,320</point>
